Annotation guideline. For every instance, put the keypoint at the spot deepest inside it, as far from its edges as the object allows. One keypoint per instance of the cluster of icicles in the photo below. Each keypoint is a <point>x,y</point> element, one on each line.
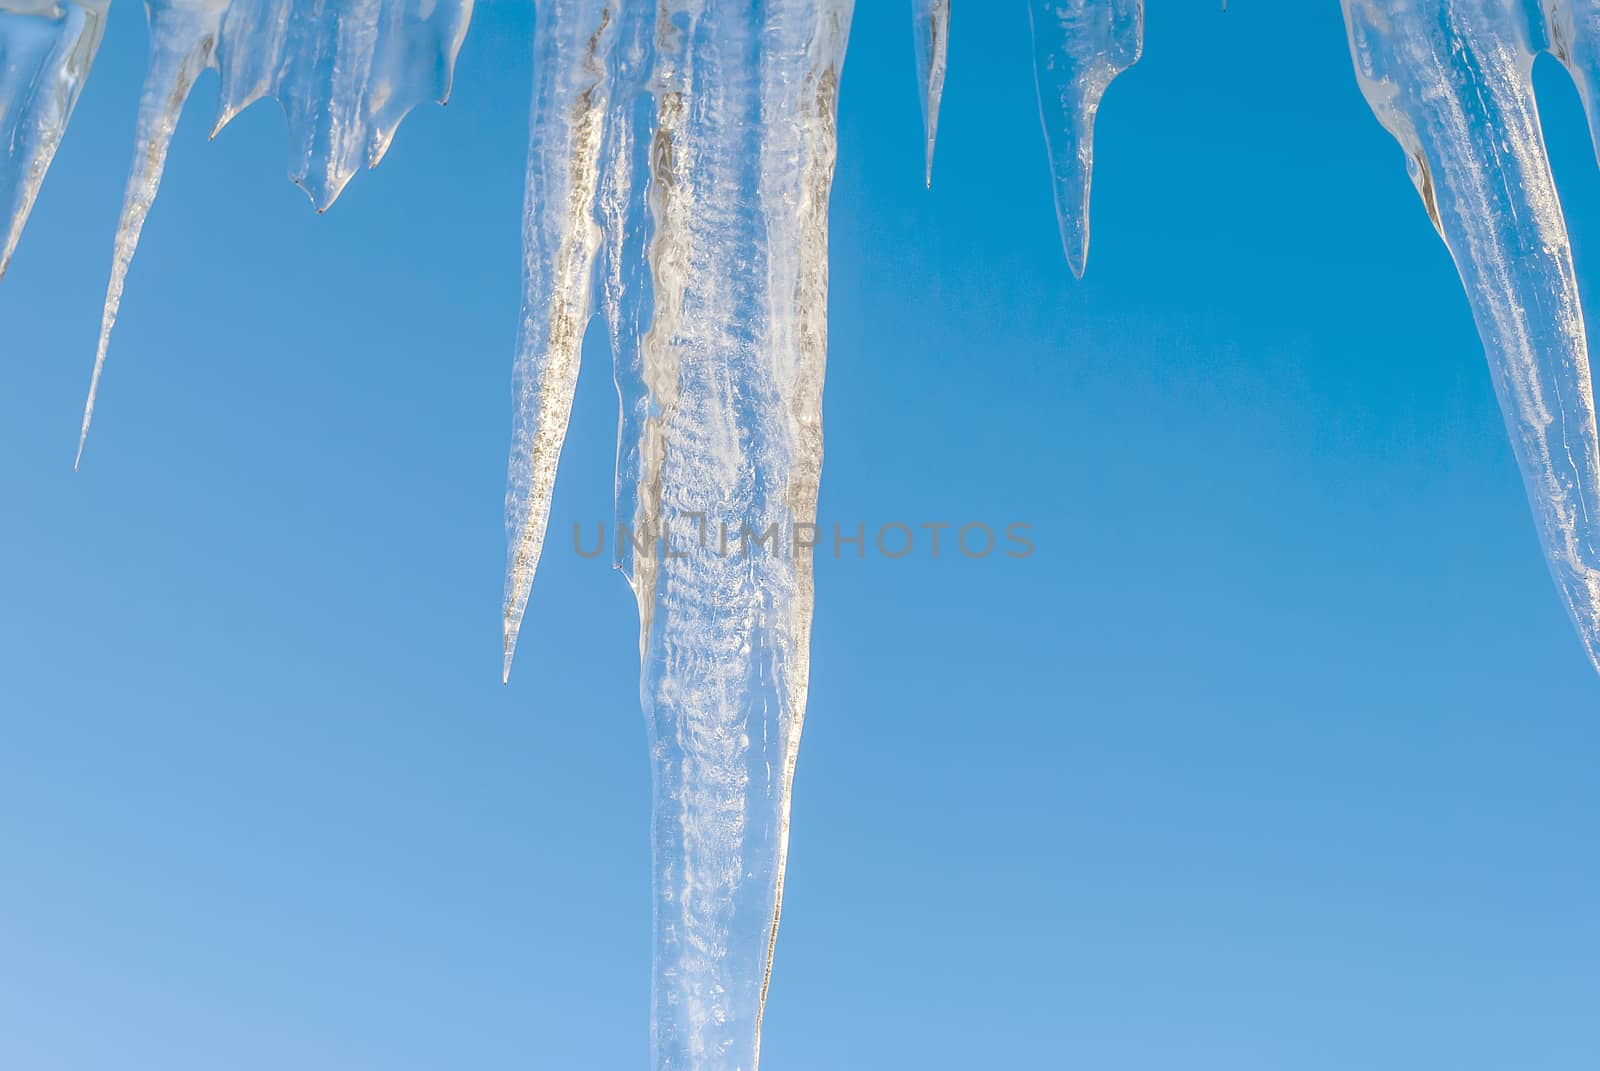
<point>678,176</point>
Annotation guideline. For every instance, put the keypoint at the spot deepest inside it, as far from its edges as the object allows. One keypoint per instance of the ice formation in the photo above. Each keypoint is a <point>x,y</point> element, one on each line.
<point>931,26</point>
<point>46,47</point>
<point>678,174</point>
<point>684,157</point>
<point>345,71</point>
<point>1453,82</point>
<point>1079,46</point>
<point>680,160</point>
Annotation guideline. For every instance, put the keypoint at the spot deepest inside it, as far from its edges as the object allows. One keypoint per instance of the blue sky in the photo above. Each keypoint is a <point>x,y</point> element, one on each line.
<point>1278,752</point>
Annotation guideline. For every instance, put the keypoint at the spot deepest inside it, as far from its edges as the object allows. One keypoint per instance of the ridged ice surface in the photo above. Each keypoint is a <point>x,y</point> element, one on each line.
<point>46,48</point>
<point>1452,81</point>
<point>345,71</point>
<point>1079,47</point>
<point>680,166</point>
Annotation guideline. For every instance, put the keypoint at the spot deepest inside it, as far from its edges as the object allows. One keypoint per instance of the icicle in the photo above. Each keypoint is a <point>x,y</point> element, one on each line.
<point>931,26</point>
<point>1079,47</point>
<point>1453,83</point>
<point>346,71</point>
<point>573,41</point>
<point>183,38</point>
<point>715,163</point>
<point>46,48</point>
<point>733,361</point>
<point>1572,35</point>
<point>627,199</point>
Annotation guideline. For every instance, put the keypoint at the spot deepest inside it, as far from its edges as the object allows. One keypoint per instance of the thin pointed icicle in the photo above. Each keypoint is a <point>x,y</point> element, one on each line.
<point>729,461</point>
<point>1453,83</point>
<point>46,49</point>
<point>801,97</point>
<point>183,38</point>
<point>1079,47</point>
<point>931,27</point>
<point>573,40</point>
<point>346,72</point>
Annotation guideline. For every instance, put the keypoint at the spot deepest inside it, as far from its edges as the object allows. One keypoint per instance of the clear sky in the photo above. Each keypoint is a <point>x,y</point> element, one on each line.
<point>1277,753</point>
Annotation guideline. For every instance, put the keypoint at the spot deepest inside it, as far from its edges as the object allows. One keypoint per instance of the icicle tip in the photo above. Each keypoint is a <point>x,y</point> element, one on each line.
<point>1075,244</point>
<point>509,648</point>
<point>88,409</point>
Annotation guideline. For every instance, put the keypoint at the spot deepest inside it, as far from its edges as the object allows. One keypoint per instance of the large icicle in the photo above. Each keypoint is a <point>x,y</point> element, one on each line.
<point>1452,81</point>
<point>930,24</point>
<point>734,362</point>
<point>46,47</point>
<point>716,159</point>
<point>1079,47</point>
<point>346,72</point>
<point>573,44</point>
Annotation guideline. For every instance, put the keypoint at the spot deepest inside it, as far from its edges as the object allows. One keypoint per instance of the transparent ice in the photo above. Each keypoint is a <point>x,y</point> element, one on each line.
<point>931,27</point>
<point>46,48</point>
<point>1453,82</point>
<point>1079,47</point>
<point>345,71</point>
<point>680,159</point>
